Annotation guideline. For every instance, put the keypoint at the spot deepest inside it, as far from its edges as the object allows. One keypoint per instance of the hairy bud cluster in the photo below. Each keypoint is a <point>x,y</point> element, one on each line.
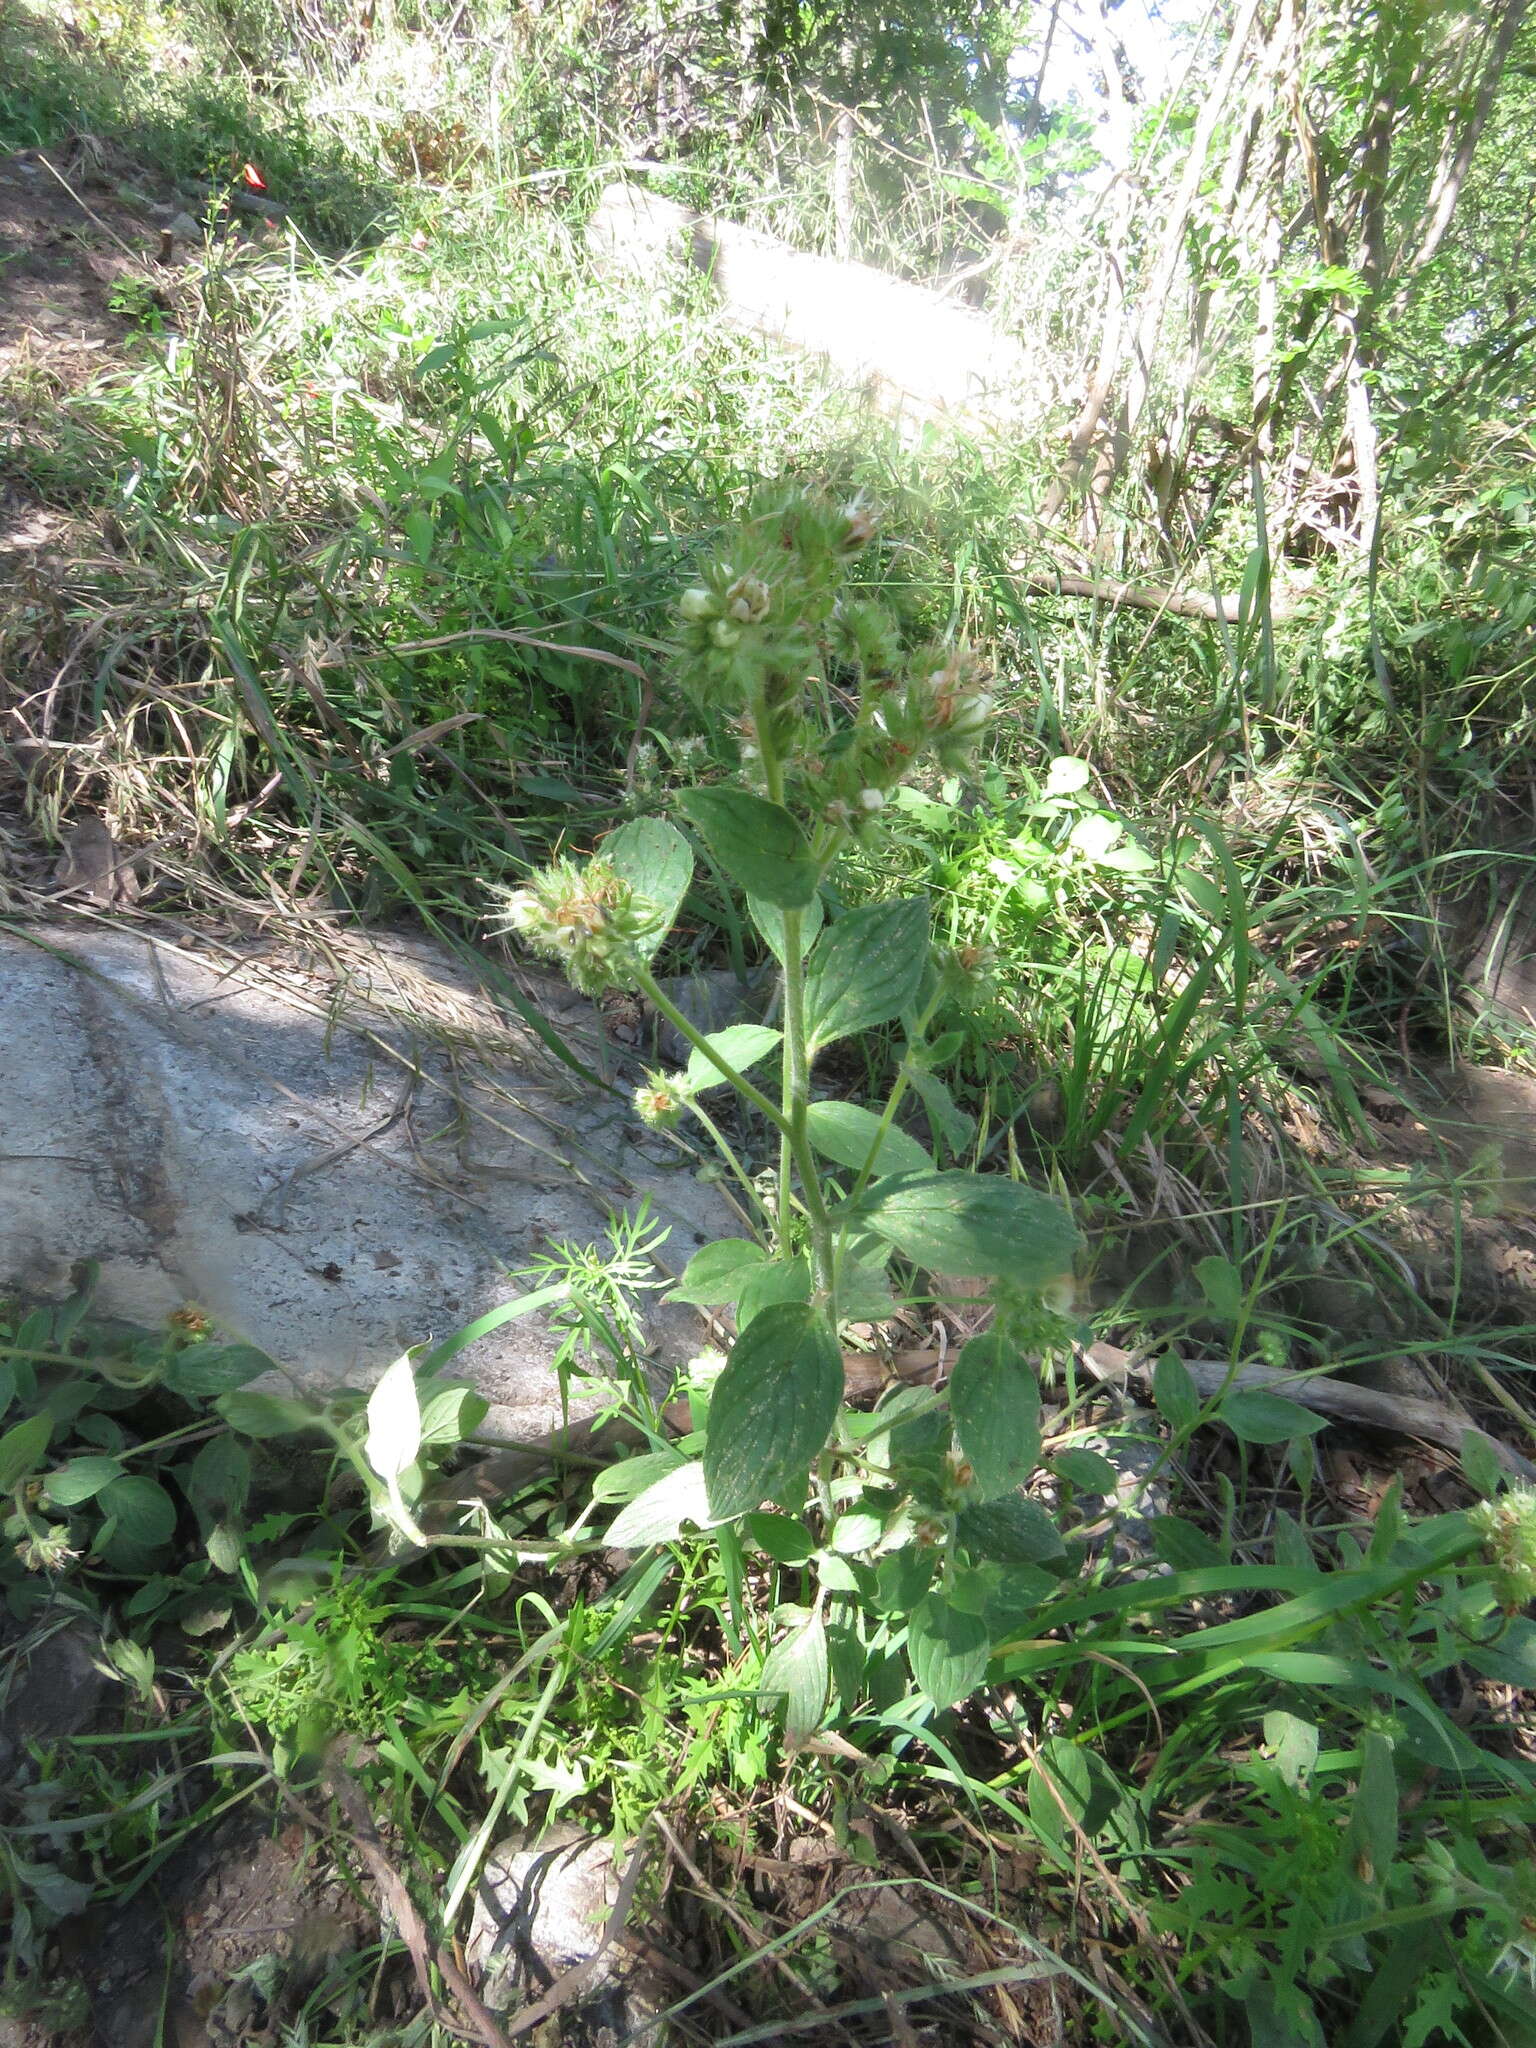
<point>1508,1529</point>
<point>587,919</point>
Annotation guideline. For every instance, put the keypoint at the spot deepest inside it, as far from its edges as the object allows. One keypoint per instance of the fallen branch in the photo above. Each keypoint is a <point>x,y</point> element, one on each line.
<point>1340,1400</point>
<point>1147,597</point>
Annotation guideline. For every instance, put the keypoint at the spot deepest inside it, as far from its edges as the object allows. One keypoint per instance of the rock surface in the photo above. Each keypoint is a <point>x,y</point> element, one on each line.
<point>333,1159</point>
<point>916,352</point>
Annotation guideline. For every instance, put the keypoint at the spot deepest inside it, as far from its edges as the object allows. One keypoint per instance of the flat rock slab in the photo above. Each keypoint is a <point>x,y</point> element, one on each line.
<point>333,1157</point>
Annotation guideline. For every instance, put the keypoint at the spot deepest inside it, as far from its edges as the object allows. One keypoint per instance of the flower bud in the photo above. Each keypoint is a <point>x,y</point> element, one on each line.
<point>660,1103</point>
<point>871,799</point>
<point>725,633</point>
<point>698,604</point>
<point>747,600</point>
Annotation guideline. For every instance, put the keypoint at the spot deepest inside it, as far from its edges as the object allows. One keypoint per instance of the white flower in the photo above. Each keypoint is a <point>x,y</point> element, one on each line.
<point>871,799</point>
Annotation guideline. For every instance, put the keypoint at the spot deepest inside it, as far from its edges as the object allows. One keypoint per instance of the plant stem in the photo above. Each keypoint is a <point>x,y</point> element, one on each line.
<point>651,990</point>
<point>795,1149</point>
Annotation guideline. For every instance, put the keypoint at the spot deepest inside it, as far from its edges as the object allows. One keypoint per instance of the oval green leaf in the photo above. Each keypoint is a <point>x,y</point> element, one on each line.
<point>716,1273</point>
<point>144,1512</point>
<point>948,1650</point>
<point>80,1480</point>
<point>657,862</point>
<point>758,844</point>
<point>22,1449</point>
<point>796,1671</point>
<point>772,1409</point>
<point>847,1134</point>
<point>976,1226</point>
<point>994,1402</point>
<point>867,969</point>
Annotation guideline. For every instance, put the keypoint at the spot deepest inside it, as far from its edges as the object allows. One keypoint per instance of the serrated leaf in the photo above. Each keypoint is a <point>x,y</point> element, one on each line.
<point>739,1045</point>
<point>204,1370</point>
<point>80,1480</point>
<point>394,1421</point>
<point>265,1415</point>
<point>994,1403</point>
<point>866,970</point>
<point>758,844</point>
<point>977,1226</point>
<point>1175,1393</point>
<point>144,1512</point>
<point>948,1650</point>
<point>795,1670</point>
<point>665,1508</point>
<point>846,1134</point>
<point>1010,1530</point>
<point>772,1409</point>
<point>657,862</point>
<point>22,1450</point>
<point>716,1273</point>
<point>769,920</point>
<point>1257,1417</point>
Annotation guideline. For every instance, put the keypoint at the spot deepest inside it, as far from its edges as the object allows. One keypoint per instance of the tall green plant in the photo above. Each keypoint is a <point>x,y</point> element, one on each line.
<point>827,713</point>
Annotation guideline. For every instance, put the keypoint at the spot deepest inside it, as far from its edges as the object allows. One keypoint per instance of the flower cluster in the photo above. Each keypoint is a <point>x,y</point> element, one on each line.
<point>587,919</point>
<point>1508,1529</point>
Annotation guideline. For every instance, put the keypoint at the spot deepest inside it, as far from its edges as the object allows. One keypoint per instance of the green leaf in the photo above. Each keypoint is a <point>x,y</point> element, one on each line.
<point>144,1512</point>
<point>846,1134</point>
<point>204,1370</point>
<point>739,1045</point>
<point>80,1480</point>
<point>1479,1464</point>
<point>1010,1530</point>
<point>716,1273</point>
<point>972,1225</point>
<point>1085,1470</point>
<point>948,1650</point>
<point>769,920</point>
<point>1185,1545</point>
<point>218,1479</point>
<point>265,1415</point>
<point>629,1477</point>
<point>867,969</point>
<point>795,1670</point>
<point>1294,1742</point>
<point>394,1421</point>
<point>450,1411</point>
<point>1260,1418</point>
<point>785,1540</point>
<point>772,1409</point>
<point>664,1509</point>
<point>779,1281</point>
<point>657,862</point>
<point>1063,1765</point>
<point>1175,1393</point>
<point>1222,1285</point>
<point>225,1547</point>
<point>994,1402</point>
<point>758,844</point>
<point>22,1450</point>
<point>856,1530</point>
<point>1371,1841</point>
<point>947,1121</point>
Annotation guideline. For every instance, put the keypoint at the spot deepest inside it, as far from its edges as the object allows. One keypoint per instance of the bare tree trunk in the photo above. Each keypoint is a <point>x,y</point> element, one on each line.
<point>1453,170</point>
<point>1142,338</point>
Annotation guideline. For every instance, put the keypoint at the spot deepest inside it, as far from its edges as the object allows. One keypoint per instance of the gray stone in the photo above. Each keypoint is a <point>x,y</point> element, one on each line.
<point>333,1156</point>
<point>542,1910</point>
<point>913,351</point>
